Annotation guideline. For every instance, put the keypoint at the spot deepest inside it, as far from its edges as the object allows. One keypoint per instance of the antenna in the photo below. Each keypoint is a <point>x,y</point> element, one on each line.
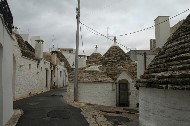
<point>53,39</point>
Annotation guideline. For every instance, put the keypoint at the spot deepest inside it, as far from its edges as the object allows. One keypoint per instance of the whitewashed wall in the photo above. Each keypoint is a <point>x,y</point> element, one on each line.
<point>160,107</point>
<point>133,92</point>
<point>60,76</point>
<point>6,73</point>
<point>81,62</point>
<point>140,63</point>
<point>95,93</point>
<point>30,75</point>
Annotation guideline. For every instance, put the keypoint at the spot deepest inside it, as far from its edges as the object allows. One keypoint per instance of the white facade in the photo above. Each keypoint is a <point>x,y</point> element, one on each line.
<point>162,30</point>
<point>6,73</point>
<point>69,54</point>
<point>96,93</point>
<point>30,76</point>
<point>160,107</point>
<point>82,61</point>
<point>60,76</point>
<point>133,92</point>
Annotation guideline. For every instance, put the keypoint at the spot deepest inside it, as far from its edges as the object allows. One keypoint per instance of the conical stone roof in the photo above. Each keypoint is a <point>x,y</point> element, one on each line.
<point>115,61</point>
<point>90,75</point>
<point>94,58</point>
<point>170,69</point>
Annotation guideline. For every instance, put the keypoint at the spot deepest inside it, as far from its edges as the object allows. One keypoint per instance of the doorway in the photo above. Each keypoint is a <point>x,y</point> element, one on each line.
<point>123,94</point>
<point>47,78</point>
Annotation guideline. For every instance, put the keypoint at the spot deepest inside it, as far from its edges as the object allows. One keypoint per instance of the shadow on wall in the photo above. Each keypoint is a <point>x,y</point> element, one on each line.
<point>1,90</point>
<point>14,76</point>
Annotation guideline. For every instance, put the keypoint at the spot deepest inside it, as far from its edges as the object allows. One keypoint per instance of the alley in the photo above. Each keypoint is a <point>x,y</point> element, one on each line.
<point>49,109</point>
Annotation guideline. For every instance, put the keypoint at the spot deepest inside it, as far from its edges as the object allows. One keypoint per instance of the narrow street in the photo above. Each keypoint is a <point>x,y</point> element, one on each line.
<point>49,109</point>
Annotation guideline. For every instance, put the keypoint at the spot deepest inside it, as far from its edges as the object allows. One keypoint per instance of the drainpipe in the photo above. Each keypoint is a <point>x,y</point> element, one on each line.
<point>144,60</point>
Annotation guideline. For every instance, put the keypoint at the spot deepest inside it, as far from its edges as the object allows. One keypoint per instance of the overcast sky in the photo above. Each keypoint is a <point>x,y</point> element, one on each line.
<point>55,19</point>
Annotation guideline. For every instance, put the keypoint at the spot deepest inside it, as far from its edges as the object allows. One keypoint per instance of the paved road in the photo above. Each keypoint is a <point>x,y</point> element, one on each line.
<point>49,109</point>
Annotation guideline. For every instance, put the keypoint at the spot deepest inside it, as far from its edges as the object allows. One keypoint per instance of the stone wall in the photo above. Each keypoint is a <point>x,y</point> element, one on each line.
<point>133,92</point>
<point>31,77</point>
<point>6,73</point>
<point>160,107</point>
<point>95,93</point>
<point>30,73</point>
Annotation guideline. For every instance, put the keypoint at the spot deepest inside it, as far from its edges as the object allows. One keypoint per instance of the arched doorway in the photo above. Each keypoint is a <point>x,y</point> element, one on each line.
<point>123,93</point>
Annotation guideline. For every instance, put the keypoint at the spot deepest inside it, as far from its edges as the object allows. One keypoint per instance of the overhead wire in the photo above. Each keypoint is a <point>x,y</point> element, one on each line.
<point>95,32</point>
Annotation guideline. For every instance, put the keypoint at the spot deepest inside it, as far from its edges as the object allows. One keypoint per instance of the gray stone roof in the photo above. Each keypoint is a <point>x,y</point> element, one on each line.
<point>26,49</point>
<point>91,76</point>
<point>115,61</point>
<point>171,67</point>
<point>94,58</point>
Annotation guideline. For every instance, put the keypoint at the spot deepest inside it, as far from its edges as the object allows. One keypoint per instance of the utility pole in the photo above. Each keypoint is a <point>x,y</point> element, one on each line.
<point>76,54</point>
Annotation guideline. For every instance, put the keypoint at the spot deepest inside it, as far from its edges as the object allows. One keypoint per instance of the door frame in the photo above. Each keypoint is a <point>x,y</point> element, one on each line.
<point>118,92</point>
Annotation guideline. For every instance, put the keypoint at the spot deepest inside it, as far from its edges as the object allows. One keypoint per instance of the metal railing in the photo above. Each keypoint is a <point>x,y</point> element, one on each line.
<point>7,15</point>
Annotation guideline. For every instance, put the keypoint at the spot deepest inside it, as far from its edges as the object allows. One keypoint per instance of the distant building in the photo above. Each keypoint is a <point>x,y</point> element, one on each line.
<point>69,54</point>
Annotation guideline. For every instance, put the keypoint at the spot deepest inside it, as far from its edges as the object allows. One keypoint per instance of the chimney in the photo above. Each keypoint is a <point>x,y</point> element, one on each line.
<point>39,49</point>
<point>162,30</point>
<point>54,58</point>
<point>152,44</point>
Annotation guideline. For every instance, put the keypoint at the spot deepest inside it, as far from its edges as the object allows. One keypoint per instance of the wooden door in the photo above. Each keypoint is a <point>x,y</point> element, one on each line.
<point>123,95</point>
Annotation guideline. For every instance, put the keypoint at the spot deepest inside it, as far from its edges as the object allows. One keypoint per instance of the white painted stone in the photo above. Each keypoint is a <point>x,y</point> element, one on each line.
<point>81,62</point>
<point>133,92</point>
<point>160,107</point>
<point>95,93</point>
<point>30,75</point>
<point>6,73</point>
